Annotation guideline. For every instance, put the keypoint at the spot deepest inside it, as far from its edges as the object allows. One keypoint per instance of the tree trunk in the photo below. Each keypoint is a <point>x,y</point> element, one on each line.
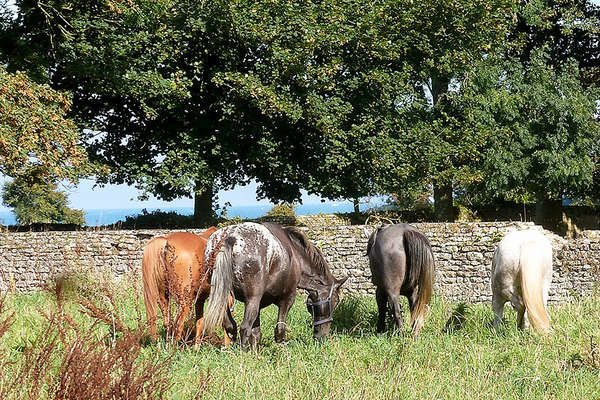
<point>548,213</point>
<point>442,192</point>
<point>356,206</point>
<point>439,87</point>
<point>443,204</point>
<point>203,206</point>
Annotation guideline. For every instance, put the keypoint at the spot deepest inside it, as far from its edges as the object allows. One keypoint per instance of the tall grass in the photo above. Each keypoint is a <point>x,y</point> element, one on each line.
<point>457,355</point>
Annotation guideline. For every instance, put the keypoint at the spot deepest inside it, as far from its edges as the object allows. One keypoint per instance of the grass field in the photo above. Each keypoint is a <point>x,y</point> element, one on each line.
<point>459,357</point>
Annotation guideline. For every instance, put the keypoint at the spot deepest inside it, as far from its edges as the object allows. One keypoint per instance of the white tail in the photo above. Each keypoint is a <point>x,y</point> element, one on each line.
<point>532,284</point>
<point>221,282</point>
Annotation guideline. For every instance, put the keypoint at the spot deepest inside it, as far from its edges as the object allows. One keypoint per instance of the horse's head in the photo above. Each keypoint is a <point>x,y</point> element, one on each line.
<point>316,278</point>
<point>321,302</point>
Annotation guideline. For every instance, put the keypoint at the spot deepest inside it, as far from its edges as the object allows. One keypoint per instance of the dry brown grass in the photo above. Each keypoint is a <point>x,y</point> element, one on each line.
<point>70,362</point>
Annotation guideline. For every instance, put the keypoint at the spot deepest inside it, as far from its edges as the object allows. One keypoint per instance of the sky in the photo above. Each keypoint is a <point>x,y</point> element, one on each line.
<point>109,197</point>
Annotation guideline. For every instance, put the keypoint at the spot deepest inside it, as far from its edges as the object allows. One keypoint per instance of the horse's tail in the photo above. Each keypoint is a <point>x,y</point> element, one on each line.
<point>372,239</point>
<point>221,283</point>
<point>531,267</point>
<point>420,273</point>
<point>153,270</point>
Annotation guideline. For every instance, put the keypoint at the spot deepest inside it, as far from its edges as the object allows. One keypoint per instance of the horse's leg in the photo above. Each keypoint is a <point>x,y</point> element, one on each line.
<point>381,298</point>
<point>519,306</point>
<point>498,307</point>
<point>412,301</point>
<point>182,313</point>
<point>256,333</point>
<point>396,310</point>
<point>251,310</point>
<point>230,328</point>
<point>229,324</point>
<point>163,304</point>
<point>284,308</point>
<point>199,322</point>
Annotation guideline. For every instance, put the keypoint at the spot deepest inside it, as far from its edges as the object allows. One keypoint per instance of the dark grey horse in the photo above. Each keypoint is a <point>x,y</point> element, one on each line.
<point>401,263</point>
<point>264,264</point>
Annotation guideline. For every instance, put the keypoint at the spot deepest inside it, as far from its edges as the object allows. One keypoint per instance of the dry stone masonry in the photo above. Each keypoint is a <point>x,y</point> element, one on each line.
<point>462,251</point>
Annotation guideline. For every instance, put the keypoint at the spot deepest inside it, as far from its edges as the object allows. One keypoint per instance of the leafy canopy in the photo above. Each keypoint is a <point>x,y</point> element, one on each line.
<point>35,130</point>
<point>542,131</point>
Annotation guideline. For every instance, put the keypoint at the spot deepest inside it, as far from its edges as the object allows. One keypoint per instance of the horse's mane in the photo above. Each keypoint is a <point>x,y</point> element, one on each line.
<point>313,252</point>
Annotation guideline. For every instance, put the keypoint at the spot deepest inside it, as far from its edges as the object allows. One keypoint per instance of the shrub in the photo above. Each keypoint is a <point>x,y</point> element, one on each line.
<point>158,220</point>
<point>282,210</point>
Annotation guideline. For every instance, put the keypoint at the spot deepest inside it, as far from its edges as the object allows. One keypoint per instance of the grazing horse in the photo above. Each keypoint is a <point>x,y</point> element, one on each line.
<point>521,274</point>
<point>401,263</point>
<point>264,264</point>
<point>173,267</point>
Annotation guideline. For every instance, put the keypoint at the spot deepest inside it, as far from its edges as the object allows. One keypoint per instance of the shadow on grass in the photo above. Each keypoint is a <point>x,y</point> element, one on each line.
<point>353,316</point>
<point>458,319</point>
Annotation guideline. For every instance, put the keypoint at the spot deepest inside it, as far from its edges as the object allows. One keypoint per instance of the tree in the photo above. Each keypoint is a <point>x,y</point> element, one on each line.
<point>321,96</point>
<point>535,101</point>
<point>140,74</point>
<point>445,39</point>
<point>34,131</point>
<point>566,30</point>
<point>177,97</point>
<point>36,200</point>
<point>542,129</point>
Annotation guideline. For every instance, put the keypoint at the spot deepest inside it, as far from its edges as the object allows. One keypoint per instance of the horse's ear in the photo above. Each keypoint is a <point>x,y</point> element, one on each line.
<point>340,282</point>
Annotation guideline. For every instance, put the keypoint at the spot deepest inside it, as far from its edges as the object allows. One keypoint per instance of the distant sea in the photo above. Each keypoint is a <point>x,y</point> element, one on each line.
<point>106,217</point>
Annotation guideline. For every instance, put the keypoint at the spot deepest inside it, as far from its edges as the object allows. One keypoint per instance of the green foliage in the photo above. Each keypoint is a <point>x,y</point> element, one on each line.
<point>541,131</point>
<point>466,215</point>
<point>35,131</point>
<point>229,221</point>
<point>282,210</point>
<point>36,200</point>
<point>293,94</point>
<point>340,98</point>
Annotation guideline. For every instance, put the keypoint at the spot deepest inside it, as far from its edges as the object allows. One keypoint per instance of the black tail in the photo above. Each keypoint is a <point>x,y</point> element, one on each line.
<point>420,266</point>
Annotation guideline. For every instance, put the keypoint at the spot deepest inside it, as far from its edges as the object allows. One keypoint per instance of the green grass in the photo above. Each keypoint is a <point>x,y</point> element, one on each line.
<point>469,361</point>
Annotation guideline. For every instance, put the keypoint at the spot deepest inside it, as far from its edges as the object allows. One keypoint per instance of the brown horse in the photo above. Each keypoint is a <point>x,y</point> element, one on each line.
<point>401,262</point>
<point>173,267</point>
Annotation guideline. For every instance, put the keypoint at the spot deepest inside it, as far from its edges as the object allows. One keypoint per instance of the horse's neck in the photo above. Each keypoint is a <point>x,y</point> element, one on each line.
<point>311,277</point>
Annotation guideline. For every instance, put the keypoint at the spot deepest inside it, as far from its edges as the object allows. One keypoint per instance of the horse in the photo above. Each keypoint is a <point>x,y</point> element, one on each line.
<point>173,267</point>
<point>264,264</point>
<point>521,274</point>
<point>401,262</point>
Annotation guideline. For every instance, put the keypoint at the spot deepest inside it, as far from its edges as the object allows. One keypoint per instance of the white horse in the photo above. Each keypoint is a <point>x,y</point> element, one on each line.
<point>521,274</point>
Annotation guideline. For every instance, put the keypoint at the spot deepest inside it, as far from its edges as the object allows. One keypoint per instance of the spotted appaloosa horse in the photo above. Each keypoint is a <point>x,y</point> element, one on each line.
<point>401,262</point>
<point>173,267</point>
<point>521,274</point>
<point>264,264</point>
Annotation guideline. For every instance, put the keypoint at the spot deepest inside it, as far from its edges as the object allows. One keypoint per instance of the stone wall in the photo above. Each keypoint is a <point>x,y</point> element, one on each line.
<point>463,257</point>
<point>462,252</point>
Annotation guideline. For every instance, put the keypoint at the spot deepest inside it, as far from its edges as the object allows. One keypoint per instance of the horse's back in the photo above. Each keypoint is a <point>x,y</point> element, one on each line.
<point>259,261</point>
<point>253,246</point>
<point>517,247</point>
<point>186,241</point>
<point>185,257</point>
<point>387,255</point>
<point>208,232</point>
